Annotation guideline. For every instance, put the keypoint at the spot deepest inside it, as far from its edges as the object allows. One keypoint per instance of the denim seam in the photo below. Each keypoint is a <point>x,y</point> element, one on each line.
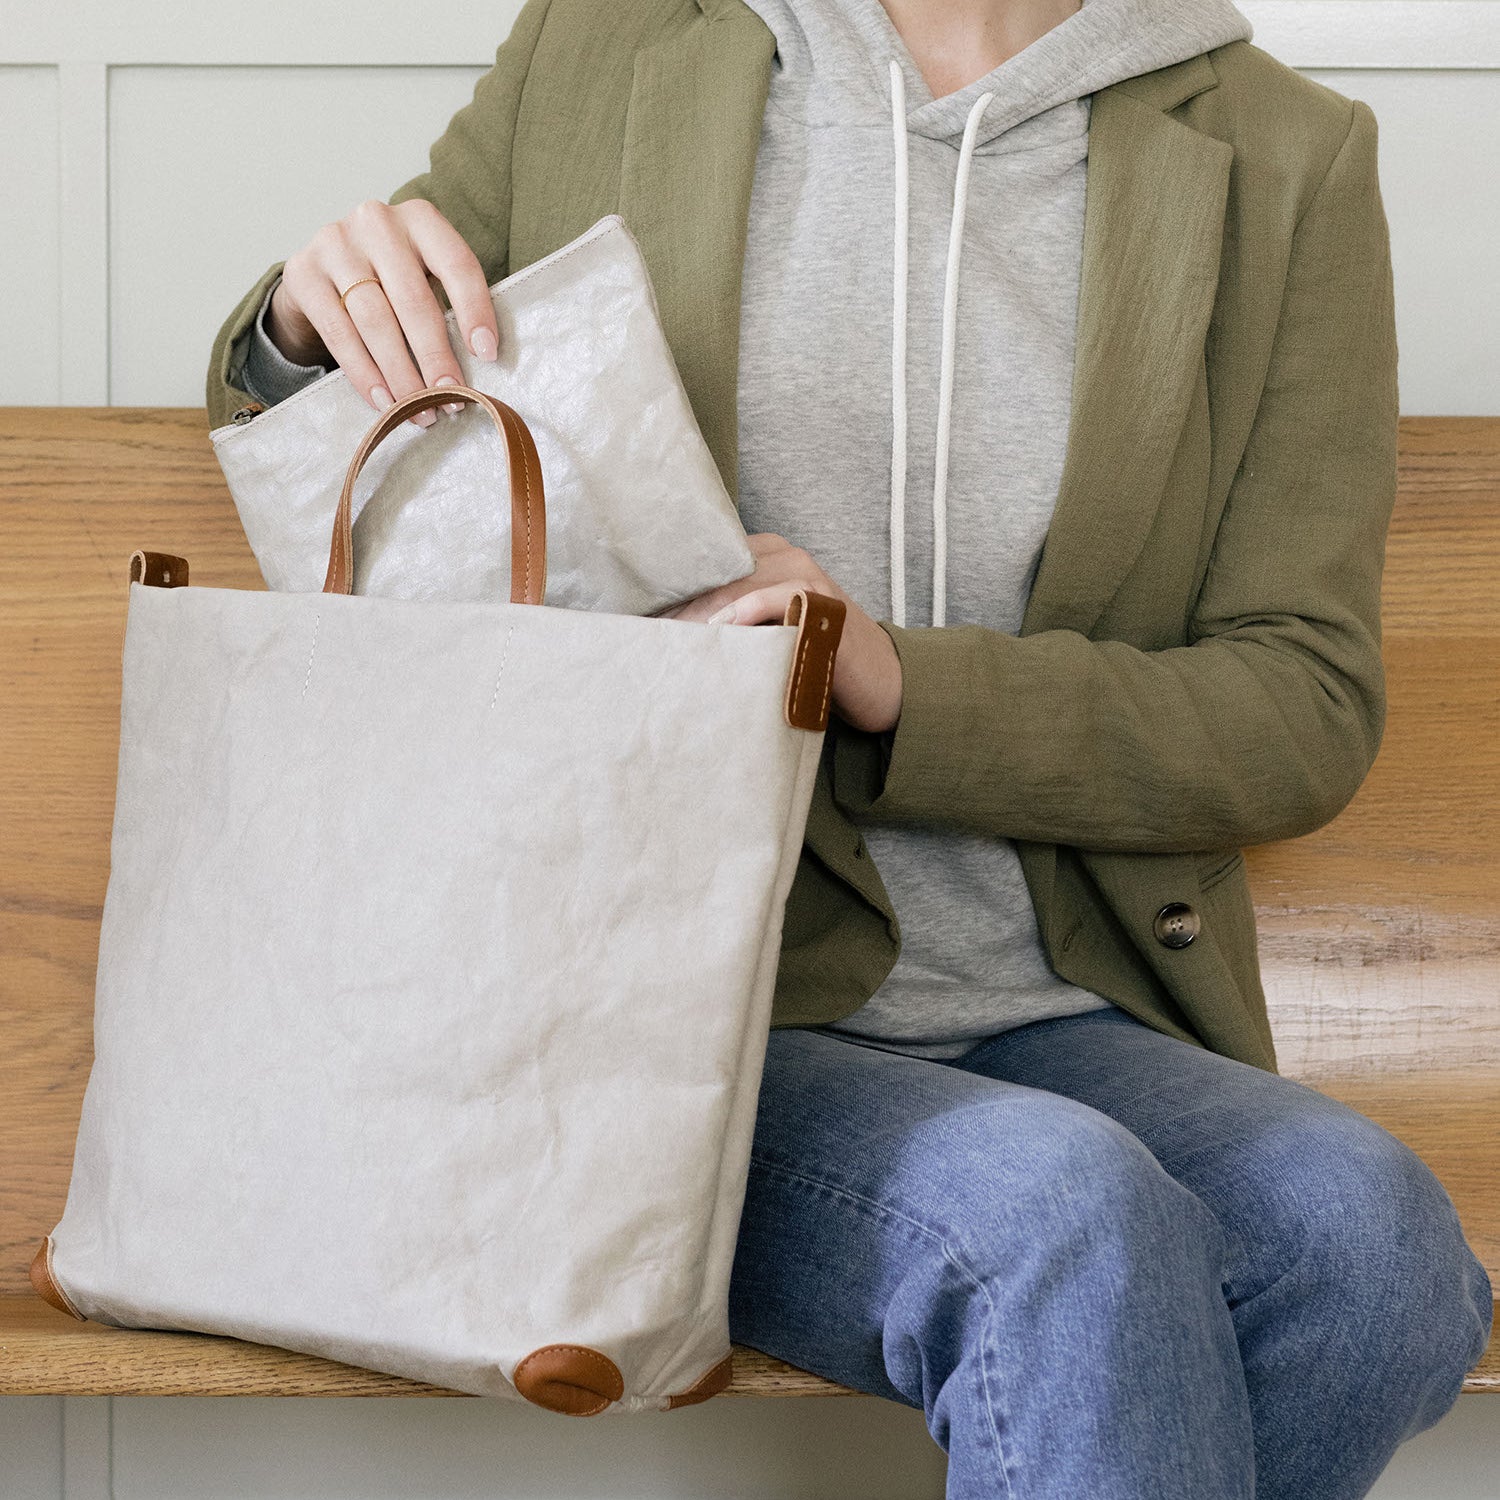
<point>953,1259</point>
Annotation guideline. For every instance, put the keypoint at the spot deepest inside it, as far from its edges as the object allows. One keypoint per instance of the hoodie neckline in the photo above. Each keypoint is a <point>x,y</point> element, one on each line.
<point>1101,43</point>
<point>945,118</point>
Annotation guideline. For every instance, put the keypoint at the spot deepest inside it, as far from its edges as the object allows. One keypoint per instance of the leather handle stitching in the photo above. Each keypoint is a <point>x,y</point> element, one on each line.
<point>799,661</point>
<point>827,685</point>
<point>803,649</point>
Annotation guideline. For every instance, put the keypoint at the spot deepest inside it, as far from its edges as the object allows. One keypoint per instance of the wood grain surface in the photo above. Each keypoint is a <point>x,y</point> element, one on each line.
<point>1380,933</point>
<point>43,1351</point>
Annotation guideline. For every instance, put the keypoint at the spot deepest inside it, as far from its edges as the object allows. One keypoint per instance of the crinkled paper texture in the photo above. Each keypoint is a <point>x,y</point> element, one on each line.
<point>638,518</point>
<point>434,980</point>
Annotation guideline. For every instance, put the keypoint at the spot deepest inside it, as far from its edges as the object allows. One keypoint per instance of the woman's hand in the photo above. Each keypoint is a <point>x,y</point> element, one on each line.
<point>389,335</point>
<point>867,671</point>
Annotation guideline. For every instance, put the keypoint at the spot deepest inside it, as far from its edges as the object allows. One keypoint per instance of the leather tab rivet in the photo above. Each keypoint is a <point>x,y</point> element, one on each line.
<point>162,570</point>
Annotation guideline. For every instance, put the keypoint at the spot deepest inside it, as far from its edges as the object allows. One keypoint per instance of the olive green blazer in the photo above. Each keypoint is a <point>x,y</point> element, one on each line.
<point>1199,666</point>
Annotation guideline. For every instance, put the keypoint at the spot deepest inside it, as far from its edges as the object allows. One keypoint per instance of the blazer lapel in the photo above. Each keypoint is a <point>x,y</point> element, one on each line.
<point>1153,227</point>
<point>691,139</point>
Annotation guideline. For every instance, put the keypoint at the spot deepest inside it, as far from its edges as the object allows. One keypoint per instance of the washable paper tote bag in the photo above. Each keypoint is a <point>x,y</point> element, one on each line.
<point>640,517</point>
<point>435,972</point>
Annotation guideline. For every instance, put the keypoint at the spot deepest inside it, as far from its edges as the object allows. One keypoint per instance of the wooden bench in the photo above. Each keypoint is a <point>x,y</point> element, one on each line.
<point>1380,933</point>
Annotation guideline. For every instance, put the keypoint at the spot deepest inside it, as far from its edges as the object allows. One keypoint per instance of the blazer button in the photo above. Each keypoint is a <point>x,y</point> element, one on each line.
<point>1176,925</point>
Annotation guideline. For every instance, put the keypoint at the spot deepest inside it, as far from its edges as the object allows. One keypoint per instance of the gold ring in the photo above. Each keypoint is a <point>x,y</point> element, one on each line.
<point>362,280</point>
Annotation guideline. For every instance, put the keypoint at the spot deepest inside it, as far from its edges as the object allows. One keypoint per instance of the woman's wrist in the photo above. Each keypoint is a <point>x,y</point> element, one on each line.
<point>295,338</point>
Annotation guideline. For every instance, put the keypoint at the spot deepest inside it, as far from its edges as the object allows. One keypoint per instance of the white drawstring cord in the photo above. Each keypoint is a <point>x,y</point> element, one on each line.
<point>900,258</point>
<point>898,352</point>
<point>945,379</point>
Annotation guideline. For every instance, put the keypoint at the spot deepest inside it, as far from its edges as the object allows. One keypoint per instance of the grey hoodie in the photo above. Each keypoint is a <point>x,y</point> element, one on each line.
<point>854,234</point>
<point>845,410</point>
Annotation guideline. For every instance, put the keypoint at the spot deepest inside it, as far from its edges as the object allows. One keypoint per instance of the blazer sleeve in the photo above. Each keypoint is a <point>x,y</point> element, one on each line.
<point>1265,724</point>
<point>468,181</point>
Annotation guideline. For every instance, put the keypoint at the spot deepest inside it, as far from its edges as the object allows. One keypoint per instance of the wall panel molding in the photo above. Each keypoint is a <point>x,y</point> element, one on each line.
<point>83,252</point>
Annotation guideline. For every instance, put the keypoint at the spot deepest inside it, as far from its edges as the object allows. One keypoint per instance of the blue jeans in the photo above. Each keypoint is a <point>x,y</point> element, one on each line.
<point>1106,1263</point>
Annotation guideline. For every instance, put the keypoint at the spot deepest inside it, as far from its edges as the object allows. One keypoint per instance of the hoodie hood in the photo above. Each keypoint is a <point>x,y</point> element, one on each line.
<point>848,46</point>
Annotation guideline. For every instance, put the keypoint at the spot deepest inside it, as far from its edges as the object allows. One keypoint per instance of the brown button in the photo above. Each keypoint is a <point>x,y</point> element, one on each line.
<point>1176,925</point>
<point>247,413</point>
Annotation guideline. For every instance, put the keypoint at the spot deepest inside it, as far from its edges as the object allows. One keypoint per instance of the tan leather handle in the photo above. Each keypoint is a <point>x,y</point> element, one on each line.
<point>528,506</point>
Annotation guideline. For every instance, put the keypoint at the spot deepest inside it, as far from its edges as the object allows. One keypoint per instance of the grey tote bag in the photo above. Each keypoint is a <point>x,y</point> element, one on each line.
<point>435,971</point>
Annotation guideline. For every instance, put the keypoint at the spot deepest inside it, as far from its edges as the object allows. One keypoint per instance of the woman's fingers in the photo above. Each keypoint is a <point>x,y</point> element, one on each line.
<point>370,311</point>
<point>408,335</point>
<point>363,335</point>
<point>764,606</point>
<point>776,561</point>
<point>359,330</point>
<point>410,245</point>
<point>389,333</point>
<point>397,315</point>
<point>446,255</point>
<point>867,685</point>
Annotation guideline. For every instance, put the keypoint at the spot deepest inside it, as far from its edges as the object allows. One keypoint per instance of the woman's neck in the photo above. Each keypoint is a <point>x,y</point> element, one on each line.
<point>953,42</point>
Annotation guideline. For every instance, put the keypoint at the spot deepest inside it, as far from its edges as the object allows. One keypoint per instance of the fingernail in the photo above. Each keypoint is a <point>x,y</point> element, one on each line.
<point>453,407</point>
<point>381,397</point>
<point>723,617</point>
<point>482,342</point>
<point>425,418</point>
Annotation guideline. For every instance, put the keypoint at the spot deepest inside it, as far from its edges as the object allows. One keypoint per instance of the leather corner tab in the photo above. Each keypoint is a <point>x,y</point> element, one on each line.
<point>710,1383</point>
<point>45,1285</point>
<point>160,570</point>
<point>569,1378</point>
<point>819,619</point>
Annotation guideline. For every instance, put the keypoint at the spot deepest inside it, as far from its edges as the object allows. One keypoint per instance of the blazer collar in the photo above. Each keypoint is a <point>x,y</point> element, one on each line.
<point>1157,190</point>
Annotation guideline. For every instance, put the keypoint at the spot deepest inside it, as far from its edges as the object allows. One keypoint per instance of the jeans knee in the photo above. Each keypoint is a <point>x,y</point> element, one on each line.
<point>1077,1188</point>
<point>1384,1242</point>
<point>1064,1234</point>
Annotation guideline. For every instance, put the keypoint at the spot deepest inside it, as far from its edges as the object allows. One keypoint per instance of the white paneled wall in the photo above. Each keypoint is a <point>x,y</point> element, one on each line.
<point>30,212</point>
<point>188,1448</point>
<point>216,173</point>
<point>1440,178</point>
<point>154,158</point>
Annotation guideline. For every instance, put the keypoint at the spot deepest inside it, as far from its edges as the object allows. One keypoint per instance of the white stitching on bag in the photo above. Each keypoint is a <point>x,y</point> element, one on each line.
<point>313,652</point>
<point>504,657</point>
